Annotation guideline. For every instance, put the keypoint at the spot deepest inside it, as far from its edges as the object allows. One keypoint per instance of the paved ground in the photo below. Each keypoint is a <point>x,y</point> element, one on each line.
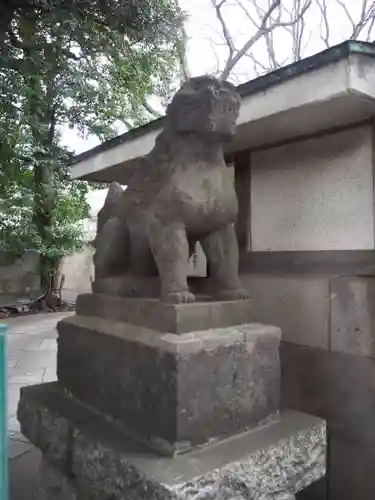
<point>31,360</point>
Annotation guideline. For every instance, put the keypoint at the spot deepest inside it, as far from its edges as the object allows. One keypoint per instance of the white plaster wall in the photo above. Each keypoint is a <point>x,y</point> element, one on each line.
<point>77,268</point>
<point>197,263</point>
<point>314,195</point>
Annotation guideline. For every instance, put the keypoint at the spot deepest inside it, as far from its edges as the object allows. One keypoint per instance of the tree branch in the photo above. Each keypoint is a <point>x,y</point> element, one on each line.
<point>152,110</point>
<point>322,4</point>
<point>181,52</point>
<point>367,15</point>
<point>262,31</point>
<point>127,124</point>
<point>256,63</point>
<point>271,51</point>
<point>350,19</point>
<point>297,32</point>
<point>226,33</point>
<point>213,47</point>
<point>370,28</point>
<point>247,13</point>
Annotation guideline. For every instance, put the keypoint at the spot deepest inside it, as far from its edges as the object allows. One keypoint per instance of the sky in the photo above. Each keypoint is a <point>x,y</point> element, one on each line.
<point>206,50</point>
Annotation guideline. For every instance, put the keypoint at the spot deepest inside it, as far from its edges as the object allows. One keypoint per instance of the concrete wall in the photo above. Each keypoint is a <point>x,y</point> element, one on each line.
<point>308,261</point>
<point>328,367</point>
<point>315,194</point>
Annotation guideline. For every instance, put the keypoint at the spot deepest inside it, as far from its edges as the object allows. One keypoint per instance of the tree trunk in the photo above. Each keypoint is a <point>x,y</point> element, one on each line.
<point>47,273</point>
<point>43,222</point>
<point>44,195</point>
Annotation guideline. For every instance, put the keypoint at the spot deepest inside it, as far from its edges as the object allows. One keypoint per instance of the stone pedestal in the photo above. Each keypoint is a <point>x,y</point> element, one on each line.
<point>173,391</point>
<point>88,457</point>
<point>168,402</point>
<point>166,318</point>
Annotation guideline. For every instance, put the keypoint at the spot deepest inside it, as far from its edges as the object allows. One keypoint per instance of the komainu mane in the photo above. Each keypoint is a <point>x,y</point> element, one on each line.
<point>180,193</point>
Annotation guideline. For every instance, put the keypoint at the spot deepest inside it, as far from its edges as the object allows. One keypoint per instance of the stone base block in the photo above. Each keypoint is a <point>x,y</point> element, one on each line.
<point>147,286</point>
<point>166,318</point>
<point>128,286</point>
<point>174,391</point>
<point>88,458</point>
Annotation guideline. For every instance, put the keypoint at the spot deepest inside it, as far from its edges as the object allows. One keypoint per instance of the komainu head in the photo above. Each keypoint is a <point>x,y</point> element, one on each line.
<point>205,106</point>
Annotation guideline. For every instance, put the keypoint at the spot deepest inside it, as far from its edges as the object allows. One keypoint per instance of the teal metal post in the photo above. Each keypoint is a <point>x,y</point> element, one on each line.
<point>3,412</point>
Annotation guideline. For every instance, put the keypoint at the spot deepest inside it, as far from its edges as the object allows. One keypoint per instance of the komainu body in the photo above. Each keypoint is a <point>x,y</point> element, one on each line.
<point>180,193</point>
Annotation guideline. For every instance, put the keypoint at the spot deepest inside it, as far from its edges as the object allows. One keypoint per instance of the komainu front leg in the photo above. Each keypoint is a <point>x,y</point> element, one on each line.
<point>221,249</point>
<point>170,248</point>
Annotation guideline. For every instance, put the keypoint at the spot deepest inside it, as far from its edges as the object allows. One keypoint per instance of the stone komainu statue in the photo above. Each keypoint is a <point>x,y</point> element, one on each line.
<point>180,193</point>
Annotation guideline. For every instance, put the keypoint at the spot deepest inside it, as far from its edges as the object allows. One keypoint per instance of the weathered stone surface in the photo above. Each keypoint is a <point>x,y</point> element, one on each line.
<point>298,304</point>
<point>272,462</point>
<point>167,318</point>
<point>173,390</point>
<point>180,193</point>
<point>41,421</point>
<point>53,484</point>
<point>352,317</point>
<point>339,388</point>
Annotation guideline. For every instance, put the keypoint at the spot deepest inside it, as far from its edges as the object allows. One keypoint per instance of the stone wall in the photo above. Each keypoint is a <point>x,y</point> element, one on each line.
<point>18,277</point>
<point>328,367</point>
